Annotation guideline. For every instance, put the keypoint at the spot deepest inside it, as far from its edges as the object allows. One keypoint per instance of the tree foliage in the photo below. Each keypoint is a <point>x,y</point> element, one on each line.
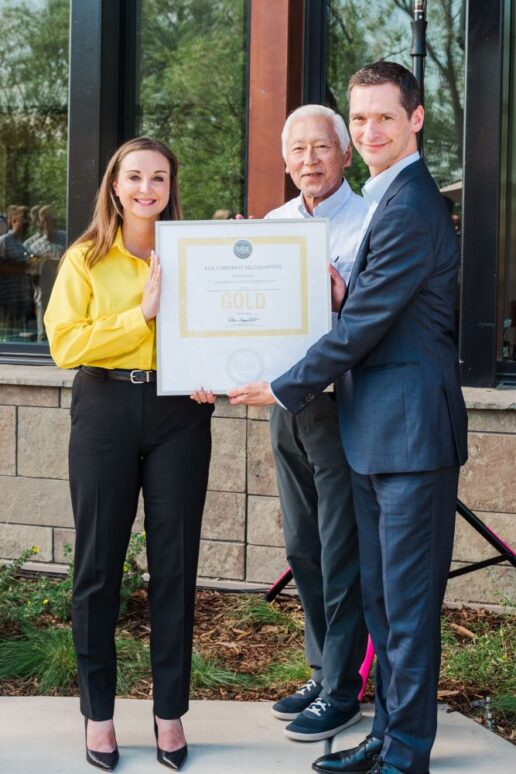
<point>33,103</point>
<point>192,96</point>
<point>362,32</point>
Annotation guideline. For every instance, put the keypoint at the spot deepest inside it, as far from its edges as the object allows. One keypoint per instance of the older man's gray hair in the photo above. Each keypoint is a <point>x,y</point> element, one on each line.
<point>310,111</point>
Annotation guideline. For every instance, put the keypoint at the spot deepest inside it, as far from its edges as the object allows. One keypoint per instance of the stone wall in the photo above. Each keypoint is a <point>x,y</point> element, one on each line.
<point>241,537</point>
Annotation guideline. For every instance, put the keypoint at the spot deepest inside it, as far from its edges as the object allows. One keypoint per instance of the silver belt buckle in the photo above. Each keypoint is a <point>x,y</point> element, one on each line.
<point>138,377</point>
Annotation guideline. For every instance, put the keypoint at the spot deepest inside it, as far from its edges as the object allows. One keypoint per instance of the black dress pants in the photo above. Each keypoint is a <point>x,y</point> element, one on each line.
<point>125,438</point>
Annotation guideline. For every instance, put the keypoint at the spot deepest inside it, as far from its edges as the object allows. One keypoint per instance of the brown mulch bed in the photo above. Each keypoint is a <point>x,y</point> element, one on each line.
<point>250,649</point>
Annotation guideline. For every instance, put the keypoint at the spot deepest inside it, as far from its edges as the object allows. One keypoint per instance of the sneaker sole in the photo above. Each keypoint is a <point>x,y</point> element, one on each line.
<point>284,715</point>
<point>299,736</point>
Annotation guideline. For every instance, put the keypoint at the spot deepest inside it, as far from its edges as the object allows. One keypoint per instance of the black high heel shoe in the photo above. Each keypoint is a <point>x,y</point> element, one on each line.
<point>103,760</point>
<point>176,758</point>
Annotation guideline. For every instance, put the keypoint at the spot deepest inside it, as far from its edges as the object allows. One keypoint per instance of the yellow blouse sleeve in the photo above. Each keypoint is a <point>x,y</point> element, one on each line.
<point>75,338</point>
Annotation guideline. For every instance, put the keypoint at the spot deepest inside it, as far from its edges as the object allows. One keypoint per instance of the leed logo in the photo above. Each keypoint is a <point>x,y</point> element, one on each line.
<point>242,248</point>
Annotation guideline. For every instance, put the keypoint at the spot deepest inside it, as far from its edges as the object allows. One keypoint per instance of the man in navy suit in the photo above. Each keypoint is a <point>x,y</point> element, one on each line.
<point>402,416</point>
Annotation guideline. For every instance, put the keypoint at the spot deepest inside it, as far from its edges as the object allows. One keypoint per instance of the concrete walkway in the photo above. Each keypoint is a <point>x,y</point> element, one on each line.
<point>224,738</point>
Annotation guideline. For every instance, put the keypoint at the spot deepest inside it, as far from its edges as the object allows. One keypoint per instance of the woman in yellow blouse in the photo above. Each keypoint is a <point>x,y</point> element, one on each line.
<point>124,438</point>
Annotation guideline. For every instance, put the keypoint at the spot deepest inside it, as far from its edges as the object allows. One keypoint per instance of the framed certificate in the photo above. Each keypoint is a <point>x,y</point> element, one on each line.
<point>241,300</point>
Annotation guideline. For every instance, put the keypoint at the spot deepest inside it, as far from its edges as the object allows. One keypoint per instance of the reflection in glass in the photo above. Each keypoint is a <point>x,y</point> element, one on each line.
<point>362,32</point>
<point>192,96</point>
<point>33,143</point>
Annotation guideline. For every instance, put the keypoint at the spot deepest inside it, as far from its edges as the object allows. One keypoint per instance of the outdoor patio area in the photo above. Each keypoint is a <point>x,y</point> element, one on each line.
<point>46,735</point>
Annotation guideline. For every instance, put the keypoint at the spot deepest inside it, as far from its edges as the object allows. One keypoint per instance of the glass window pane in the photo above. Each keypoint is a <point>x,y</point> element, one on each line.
<point>33,146</point>
<point>192,73</point>
<point>362,32</point>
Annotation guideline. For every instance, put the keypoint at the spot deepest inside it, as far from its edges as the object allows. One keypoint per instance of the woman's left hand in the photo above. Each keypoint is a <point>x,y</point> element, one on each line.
<point>203,396</point>
<point>152,289</point>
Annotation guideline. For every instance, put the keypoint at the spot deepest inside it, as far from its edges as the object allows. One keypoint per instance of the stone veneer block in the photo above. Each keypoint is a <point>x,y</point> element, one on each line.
<point>492,421</point>
<point>224,516</point>
<point>492,585</point>
<point>23,395</point>
<point>487,479</point>
<point>63,537</point>
<point>223,408</point>
<point>264,521</point>
<point>16,538</point>
<point>66,397</point>
<point>264,563</point>
<point>469,546</point>
<point>221,560</point>
<point>261,471</point>
<point>259,412</point>
<point>227,469</point>
<point>40,501</point>
<point>489,398</point>
<point>43,442</point>
<point>7,440</point>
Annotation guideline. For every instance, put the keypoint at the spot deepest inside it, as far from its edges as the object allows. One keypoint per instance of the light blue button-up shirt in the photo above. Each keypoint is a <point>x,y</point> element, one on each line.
<point>346,212</point>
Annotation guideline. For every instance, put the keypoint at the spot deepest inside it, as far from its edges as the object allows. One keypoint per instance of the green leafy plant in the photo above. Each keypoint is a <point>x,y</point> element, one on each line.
<point>132,579</point>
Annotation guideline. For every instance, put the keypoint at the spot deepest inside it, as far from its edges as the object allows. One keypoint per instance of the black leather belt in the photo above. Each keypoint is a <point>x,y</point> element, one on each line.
<point>136,376</point>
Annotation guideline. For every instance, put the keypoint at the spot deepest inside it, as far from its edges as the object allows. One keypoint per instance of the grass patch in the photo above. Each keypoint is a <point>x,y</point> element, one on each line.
<point>292,669</point>
<point>44,655</point>
<point>486,658</point>
<point>209,673</point>
<point>254,611</point>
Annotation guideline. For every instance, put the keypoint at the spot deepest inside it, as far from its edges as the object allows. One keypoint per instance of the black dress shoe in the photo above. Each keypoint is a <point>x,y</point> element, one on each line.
<point>174,759</point>
<point>353,761</point>
<point>103,760</point>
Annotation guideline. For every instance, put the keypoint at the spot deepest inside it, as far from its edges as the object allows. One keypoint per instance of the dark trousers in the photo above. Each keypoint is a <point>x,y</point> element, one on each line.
<point>314,483</point>
<point>125,438</point>
<point>406,525</point>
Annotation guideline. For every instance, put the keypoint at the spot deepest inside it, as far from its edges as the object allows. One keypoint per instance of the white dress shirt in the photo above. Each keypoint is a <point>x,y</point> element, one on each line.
<point>346,212</point>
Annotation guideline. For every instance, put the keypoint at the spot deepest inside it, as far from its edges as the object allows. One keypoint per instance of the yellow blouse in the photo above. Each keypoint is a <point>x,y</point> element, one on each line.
<point>94,316</point>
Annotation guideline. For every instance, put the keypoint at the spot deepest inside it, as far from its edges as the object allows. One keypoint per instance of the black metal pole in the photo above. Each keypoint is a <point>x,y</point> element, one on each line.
<point>418,52</point>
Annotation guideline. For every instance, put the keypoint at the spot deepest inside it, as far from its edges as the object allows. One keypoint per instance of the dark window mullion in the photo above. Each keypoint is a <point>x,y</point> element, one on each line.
<point>481,193</point>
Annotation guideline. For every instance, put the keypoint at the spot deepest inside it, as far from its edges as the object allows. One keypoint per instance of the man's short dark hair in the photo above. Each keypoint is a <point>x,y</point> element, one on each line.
<point>389,72</point>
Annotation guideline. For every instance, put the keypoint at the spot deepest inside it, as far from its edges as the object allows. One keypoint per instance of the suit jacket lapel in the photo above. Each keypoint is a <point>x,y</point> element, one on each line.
<point>399,181</point>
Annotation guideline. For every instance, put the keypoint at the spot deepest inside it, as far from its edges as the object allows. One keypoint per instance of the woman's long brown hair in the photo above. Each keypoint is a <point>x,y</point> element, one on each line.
<point>108,214</point>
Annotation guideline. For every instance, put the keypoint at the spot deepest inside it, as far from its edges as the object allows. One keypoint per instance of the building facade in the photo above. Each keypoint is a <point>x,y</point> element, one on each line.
<point>216,79</point>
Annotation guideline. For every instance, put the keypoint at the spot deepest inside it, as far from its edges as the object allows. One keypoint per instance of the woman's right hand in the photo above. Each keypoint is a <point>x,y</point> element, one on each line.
<point>152,289</point>
<point>203,396</point>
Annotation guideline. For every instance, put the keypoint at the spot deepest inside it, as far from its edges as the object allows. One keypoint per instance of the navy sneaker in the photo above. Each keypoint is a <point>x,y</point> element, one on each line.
<point>321,720</point>
<point>289,707</point>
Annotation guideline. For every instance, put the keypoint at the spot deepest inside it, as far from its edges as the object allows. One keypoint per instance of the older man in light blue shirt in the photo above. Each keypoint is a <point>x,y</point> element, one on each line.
<point>313,474</point>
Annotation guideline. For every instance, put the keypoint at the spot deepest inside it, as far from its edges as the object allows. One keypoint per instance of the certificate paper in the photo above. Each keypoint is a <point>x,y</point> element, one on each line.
<point>241,300</point>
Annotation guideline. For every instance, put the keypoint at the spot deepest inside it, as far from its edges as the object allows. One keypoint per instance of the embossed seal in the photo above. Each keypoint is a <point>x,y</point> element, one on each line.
<point>244,365</point>
<point>242,248</point>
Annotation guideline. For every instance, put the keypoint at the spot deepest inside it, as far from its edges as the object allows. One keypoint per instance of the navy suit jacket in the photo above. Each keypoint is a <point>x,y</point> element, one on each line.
<point>392,352</point>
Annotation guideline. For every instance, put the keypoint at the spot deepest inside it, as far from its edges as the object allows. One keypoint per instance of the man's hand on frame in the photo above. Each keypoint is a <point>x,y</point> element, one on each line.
<point>254,394</point>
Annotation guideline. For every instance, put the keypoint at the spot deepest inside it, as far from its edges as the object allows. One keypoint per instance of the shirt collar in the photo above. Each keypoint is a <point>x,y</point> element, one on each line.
<point>328,207</point>
<point>119,243</point>
<point>375,187</point>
